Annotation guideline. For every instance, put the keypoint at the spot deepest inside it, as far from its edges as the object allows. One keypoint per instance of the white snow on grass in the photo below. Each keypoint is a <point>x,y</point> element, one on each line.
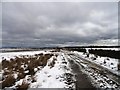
<point>47,76</point>
<point>110,63</point>
<point>9,55</point>
<point>51,77</point>
<point>97,79</point>
<point>116,49</point>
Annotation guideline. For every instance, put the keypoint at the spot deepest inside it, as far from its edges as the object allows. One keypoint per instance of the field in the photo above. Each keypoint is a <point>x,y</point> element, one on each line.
<point>72,68</point>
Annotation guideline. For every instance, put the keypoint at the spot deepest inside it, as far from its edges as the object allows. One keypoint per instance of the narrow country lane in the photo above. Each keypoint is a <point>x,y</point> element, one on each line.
<point>82,81</point>
<point>90,75</point>
<point>58,69</point>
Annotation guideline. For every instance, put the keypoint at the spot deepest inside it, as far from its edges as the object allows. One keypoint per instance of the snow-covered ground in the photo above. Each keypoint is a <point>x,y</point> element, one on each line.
<point>109,63</point>
<point>52,77</point>
<point>11,49</point>
<point>47,76</point>
<point>100,77</point>
<point>9,55</point>
<point>116,49</point>
<point>57,73</point>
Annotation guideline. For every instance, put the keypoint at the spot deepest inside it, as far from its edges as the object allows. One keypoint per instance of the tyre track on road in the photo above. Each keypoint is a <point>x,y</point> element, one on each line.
<point>88,67</point>
<point>82,80</point>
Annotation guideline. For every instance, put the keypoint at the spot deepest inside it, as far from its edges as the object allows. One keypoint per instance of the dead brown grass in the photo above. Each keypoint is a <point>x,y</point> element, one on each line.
<point>52,63</point>
<point>7,72</point>
<point>5,64</point>
<point>23,86</point>
<point>33,79</point>
<point>42,61</point>
<point>13,66</point>
<point>9,81</point>
<point>21,76</point>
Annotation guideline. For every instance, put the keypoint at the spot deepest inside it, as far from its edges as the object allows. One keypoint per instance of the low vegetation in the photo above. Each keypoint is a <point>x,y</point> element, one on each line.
<point>16,69</point>
<point>23,86</point>
<point>78,49</point>
<point>106,53</point>
<point>8,81</point>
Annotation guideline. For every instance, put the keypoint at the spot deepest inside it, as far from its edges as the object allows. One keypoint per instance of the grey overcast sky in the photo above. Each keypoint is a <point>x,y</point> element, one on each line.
<point>41,24</point>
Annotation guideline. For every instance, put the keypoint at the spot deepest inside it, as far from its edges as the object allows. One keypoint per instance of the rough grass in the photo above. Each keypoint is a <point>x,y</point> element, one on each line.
<point>9,81</point>
<point>51,64</point>
<point>23,86</point>
<point>21,64</point>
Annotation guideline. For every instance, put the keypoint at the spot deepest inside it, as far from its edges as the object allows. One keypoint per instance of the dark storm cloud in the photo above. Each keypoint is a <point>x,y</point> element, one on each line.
<point>44,24</point>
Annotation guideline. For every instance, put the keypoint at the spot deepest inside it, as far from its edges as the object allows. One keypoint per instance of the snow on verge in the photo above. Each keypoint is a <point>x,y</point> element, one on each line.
<point>110,63</point>
<point>53,77</point>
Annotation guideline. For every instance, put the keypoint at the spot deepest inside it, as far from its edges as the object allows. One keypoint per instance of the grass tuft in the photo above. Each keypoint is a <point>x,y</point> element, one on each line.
<point>23,86</point>
<point>9,81</point>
